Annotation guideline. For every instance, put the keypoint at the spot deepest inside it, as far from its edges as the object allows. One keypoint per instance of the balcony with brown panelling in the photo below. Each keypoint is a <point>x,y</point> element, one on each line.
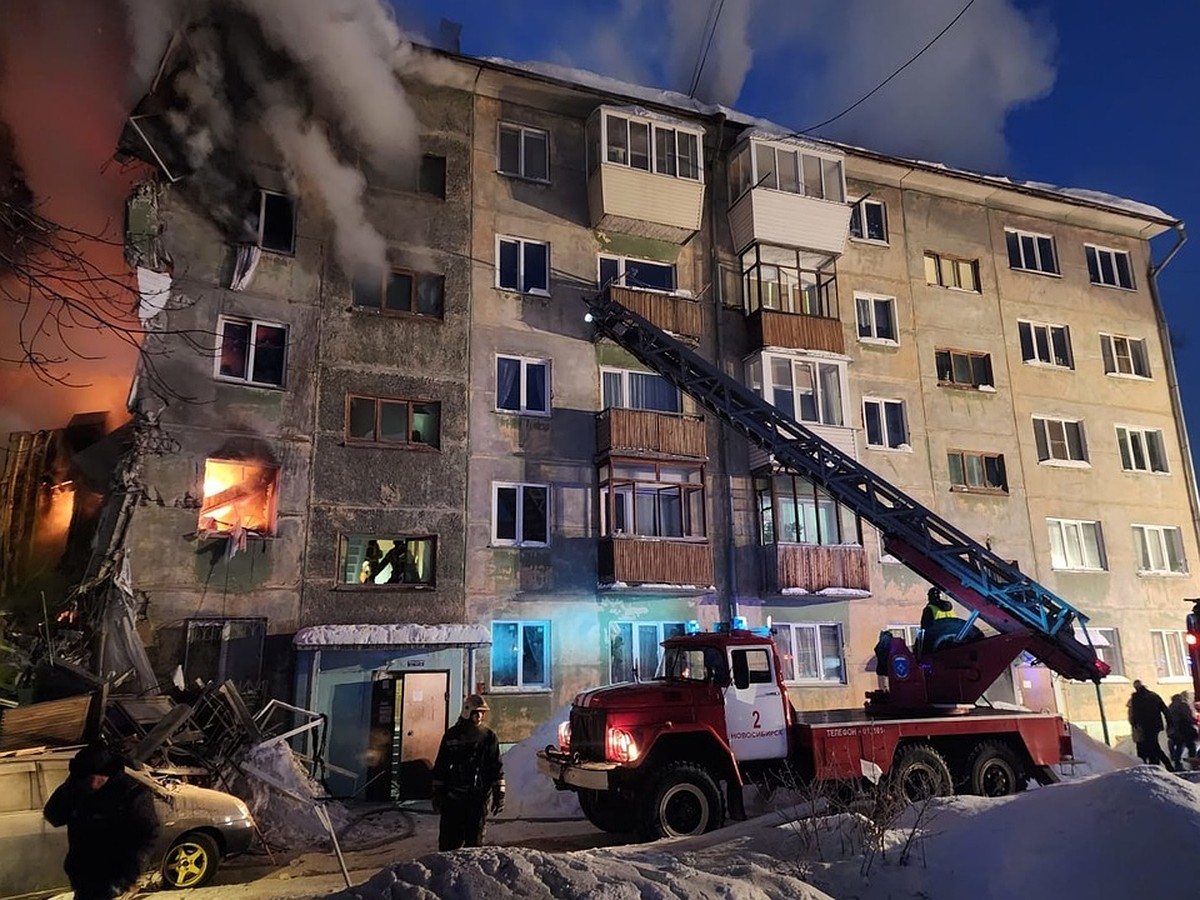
<point>672,313</point>
<point>632,561</point>
<point>794,331</point>
<point>809,569</point>
<point>640,432</point>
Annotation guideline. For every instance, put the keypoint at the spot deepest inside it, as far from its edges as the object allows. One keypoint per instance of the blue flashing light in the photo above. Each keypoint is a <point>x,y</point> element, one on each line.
<point>691,627</point>
<point>738,623</point>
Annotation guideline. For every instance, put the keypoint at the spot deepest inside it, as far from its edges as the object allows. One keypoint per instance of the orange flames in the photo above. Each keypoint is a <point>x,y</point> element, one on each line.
<point>238,495</point>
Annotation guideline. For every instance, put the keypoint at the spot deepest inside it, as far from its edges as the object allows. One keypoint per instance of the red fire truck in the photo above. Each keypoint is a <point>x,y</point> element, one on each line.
<point>670,756</point>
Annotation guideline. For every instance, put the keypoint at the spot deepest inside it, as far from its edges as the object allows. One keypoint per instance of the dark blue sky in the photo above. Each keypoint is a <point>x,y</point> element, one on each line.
<point>1098,94</point>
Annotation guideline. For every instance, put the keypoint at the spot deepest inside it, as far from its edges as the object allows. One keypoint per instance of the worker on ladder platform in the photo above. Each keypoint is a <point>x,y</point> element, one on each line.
<point>937,607</point>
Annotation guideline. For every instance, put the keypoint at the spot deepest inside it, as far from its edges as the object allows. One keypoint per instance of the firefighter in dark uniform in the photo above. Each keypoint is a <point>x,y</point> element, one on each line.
<point>937,607</point>
<point>466,774</point>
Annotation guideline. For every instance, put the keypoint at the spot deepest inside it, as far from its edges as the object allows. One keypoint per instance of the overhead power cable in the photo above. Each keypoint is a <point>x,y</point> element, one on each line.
<point>719,5</point>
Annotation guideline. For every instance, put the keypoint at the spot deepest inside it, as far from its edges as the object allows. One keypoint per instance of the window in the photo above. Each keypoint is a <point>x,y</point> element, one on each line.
<point>225,649</point>
<point>1142,449</point>
<point>276,222</point>
<point>252,352</point>
<point>520,514</point>
<point>811,653</point>
<point>788,280</point>
<point>949,272</point>
<point>402,291</point>
<point>238,496</point>
<point>794,510</point>
<point>1048,345</point>
<point>652,499</point>
<point>378,560</point>
<point>868,221</point>
<point>1159,550</point>
<point>802,389</point>
<point>1031,252</point>
<point>784,169</point>
<point>521,655</point>
<point>876,318</point>
<point>431,177</point>
<point>523,265</point>
<point>909,633</point>
<point>1111,267</point>
<point>524,152</point>
<point>384,420</point>
<point>1171,660</point>
<point>628,389</point>
<point>523,385</point>
<point>1059,440</point>
<point>1076,545</point>
<point>982,472</point>
<point>963,369</point>
<point>638,273</point>
<point>1124,355</point>
<point>671,151</point>
<point>635,646</point>
<point>1112,653</point>
<point>885,423</point>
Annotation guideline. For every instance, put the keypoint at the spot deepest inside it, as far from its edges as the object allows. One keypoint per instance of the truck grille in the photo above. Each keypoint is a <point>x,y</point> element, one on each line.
<point>587,733</point>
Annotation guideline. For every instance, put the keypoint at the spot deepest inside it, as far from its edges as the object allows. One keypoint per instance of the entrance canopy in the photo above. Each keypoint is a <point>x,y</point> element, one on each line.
<point>345,637</point>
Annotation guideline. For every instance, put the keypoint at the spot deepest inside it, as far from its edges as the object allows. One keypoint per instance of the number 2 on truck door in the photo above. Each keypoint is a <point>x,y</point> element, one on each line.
<point>754,713</point>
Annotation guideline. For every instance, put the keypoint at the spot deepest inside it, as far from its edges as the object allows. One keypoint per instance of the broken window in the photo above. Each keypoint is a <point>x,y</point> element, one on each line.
<point>239,495</point>
<point>380,420</point>
<point>432,177</point>
<point>251,351</point>
<point>276,222</point>
<point>415,293</point>
<point>384,559</point>
<point>225,649</point>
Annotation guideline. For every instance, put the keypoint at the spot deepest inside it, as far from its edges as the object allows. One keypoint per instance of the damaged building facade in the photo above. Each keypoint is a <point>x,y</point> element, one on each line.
<point>387,492</point>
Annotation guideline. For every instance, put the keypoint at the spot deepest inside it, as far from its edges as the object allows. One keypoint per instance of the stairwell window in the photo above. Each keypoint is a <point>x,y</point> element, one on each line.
<point>1076,545</point>
<point>276,222</point>
<point>523,152</point>
<point>977,472</point>
<point>885,423</point>
<point>1043,344</point>
<point>1142,449</point>
<point>520,515</point>
<point>634,651</point>
<point>1031,252</point>
<point>1159,550</point>
<point>962,368</point>
<point>252,352</point>
<point>523,385</point>
<point>949,272</point>
<point>876,317</point>
<point>521,655</point>
<point>868,221</point>
<point>523,265</point>
<point>1059,441</point>
<point>812,654</point>
<point>1124,356</point>
<point>630,389</point>
<point>1109,267</point>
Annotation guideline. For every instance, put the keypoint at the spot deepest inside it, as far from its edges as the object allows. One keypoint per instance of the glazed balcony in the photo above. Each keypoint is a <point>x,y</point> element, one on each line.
<point>633,561</point>
<point>639,432</point>
<point>795,331</point>
<point>808,568</point>
<point>840,436</point>
<point>676,315</point>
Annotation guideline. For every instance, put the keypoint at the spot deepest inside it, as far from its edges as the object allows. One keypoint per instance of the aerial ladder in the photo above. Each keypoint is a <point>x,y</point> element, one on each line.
<point>1026,616</point>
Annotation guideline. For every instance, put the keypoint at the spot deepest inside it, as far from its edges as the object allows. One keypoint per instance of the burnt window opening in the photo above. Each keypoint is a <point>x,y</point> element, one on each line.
<point>432,177</point>
<point>252,352</point>
<point>383,420</point>
<point>239,496</point>
<point>403,291</point>
<point>221,650</point>
<point>276,222</point>
<point>383,560</point>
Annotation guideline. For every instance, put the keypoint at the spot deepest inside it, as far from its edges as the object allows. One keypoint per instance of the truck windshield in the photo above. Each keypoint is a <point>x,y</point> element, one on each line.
<point>693,664</point>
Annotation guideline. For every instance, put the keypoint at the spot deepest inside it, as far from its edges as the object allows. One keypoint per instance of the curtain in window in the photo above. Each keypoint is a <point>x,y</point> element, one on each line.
<point>508,377</point>
<point>535,387</point>
<point>505,636</point>
<point>831,395</point>
<point>533,655</point>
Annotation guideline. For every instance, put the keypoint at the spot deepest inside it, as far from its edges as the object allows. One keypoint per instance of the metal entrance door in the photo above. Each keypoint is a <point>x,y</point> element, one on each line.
<point>421,712</point>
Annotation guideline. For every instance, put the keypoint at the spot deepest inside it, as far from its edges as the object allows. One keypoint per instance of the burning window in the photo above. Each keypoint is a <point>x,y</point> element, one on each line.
<point>239,495</point>
<point>386,559</point>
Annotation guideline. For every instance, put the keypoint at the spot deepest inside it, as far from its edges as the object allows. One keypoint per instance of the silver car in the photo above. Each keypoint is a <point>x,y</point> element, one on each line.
<point>199,827</point>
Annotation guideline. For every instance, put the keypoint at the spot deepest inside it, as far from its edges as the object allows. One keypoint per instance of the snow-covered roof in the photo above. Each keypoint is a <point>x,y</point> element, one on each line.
<point>769,130</point>
<point>329,636</point>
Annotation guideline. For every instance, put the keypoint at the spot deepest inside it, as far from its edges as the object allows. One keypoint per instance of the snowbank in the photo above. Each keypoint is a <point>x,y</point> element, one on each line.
<point>1095,757</point>
<point>282,797</point>
<point>532,795</point>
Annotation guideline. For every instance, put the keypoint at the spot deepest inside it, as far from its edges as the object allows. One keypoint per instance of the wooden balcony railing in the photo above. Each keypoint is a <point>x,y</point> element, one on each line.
<point>771,328</point>
<point>809,568</point>
<point>635,561</point>
<point>678,315</point>
<point>639,431</point>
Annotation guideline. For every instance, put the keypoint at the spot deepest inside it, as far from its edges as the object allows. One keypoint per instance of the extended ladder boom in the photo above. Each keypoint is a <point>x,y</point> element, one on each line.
<point>994,588</point>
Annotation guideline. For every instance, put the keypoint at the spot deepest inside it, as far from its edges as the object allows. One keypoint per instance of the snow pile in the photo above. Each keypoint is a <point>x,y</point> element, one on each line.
<point>531,795</point>
<point>404,635</point>
<point>1094,757</point>
<point>282,797</point>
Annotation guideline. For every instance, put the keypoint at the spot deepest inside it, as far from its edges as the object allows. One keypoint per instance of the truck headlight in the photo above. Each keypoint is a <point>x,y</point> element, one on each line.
<point>621,747</point>
<point>564,736</point>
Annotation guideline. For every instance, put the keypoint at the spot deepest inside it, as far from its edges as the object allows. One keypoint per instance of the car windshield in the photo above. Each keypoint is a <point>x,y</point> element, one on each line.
<point>693,664</point>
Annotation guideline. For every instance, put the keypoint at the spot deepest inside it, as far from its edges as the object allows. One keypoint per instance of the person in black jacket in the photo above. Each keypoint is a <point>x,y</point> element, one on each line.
<point>1147,713</point>
<point>111,824</point>
<point>466,772</point>
<point>1181,729</point>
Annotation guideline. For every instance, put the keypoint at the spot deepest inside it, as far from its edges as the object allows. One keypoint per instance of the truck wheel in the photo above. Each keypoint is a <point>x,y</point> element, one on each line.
<point>918,773</point>
<point>996,771</point>
<point>607,811</point>
<point>681,800</point>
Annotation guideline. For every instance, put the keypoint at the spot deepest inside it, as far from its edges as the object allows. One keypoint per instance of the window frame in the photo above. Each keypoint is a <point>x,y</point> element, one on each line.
<point>519,519</point>
<point>1110,357</point>
<point>1050,329</point>
<point>1096,273</point>
<point>423,174</point>
<point>523,409</point>
<point>1020,235</point>
<point>1125,448</point>
<point>522,131</point>
<point>262,222</point>
<point>661,628</point>
<point>608,482</point>
<point>861,217</point>
<point>272,473</point>
<point>357,585</point>
<point>547,658</point>
<point>1163,545</point>
<point>1158,641</point>
<point>624,374</point>
<point>768,488</point>
<point>965,485</point>
<point>760,379</point>
<point>1112,654</point>
<point>971,355</point>
<point>800,289</point>
<point>251,350</point>
<point>872,301</point>
<point>621,279</point>
<point>1045,438</point>
<point>789,655</point>
<point>653,127</point>
<point>1078,524</point>
<point>521,274</point>
<point>939,259</point>
<point>905,445</point>
<point>408,443</point>
<point>416,278</point>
